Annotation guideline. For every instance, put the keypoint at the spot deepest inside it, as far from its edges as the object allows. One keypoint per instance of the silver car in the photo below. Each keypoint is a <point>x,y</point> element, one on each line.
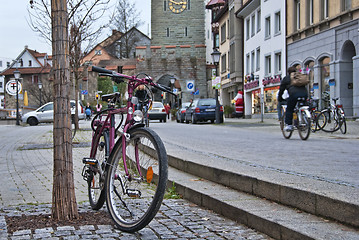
<point>45,113</point>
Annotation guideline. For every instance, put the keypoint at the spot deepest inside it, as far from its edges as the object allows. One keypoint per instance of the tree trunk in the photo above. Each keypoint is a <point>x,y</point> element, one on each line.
<point>64,204</point>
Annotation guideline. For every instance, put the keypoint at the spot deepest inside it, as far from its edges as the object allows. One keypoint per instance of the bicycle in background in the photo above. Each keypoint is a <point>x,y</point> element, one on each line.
<point>301,120</point>
<point>318,121</point>
<point>128,165</point>
<point>335,117</point>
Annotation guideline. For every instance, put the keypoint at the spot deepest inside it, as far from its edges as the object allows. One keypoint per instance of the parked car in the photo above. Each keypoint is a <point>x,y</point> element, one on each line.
<point>45,113</point>
<point>180,114</point>
<point>157,112</point>
<point>202,110</point>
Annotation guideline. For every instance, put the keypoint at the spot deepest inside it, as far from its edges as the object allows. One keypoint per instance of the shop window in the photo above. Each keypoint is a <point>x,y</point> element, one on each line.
<point>324,83</point>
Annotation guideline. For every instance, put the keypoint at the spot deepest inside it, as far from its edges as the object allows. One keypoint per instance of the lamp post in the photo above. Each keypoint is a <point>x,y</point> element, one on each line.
<point>172,79</point>
<point>40,87</point>
<point>17,76</point>
<point>215,57</point>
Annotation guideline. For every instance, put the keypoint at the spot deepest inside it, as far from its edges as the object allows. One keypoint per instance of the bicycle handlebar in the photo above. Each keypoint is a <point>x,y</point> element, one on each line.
<point>117,77</point>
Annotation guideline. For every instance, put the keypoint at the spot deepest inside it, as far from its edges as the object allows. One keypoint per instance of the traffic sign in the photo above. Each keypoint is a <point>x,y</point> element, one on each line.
<point>11,87</point>
<point>190,85</point>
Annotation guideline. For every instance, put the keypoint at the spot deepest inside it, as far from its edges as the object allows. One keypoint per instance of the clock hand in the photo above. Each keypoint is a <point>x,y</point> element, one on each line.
<point>175,2</point>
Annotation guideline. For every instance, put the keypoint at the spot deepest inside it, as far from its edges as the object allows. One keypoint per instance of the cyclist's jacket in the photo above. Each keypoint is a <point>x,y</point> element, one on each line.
<point>285,84</point>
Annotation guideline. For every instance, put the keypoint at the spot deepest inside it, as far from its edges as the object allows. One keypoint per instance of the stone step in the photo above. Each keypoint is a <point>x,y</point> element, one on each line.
<point>275,220</point>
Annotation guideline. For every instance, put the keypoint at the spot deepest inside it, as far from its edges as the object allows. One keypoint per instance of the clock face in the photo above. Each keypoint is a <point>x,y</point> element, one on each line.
<point>177,6</point>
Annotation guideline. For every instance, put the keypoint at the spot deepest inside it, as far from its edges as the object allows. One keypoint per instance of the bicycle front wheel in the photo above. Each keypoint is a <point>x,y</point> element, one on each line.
<point>304,126</point>
<point>285,133</point>
<point>95,182</point>
<point>133,198</point>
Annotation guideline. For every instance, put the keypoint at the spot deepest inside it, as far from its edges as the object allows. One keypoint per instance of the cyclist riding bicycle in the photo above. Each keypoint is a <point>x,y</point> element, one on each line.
<point>294,92</point>
<point>142,96</point>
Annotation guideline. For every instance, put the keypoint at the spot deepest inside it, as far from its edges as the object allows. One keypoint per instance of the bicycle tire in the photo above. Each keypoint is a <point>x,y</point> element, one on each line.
<point>343,125</point>
<point>286,134</point>
<point>95,183</point>
<point>317,123</point>
<point>331,123</point>
<point>304,126</point>
<point>133,201</point>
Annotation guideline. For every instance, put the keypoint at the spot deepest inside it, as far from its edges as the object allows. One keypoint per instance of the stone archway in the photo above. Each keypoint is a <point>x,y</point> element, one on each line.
<point>347,83</point>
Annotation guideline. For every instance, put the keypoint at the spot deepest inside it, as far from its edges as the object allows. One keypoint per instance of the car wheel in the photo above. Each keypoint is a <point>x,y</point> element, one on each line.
<point>32,121</point>
<point>212,121</point>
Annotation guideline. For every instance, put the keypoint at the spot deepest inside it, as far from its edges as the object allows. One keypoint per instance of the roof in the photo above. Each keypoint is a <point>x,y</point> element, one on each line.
<point>25,71</point>
<point>213,3</point>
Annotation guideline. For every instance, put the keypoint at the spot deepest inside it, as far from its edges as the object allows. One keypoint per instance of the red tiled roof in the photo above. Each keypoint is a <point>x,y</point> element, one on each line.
<point>25,71</point>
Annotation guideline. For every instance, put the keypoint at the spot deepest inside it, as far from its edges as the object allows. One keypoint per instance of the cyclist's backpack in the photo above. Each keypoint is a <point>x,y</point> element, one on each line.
<point>298,79</point>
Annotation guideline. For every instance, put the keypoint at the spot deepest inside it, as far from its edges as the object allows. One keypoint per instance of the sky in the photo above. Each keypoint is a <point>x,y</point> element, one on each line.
<point>15,31</point>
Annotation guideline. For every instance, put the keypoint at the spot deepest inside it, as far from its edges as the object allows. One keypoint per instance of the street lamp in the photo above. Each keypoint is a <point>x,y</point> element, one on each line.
<point>17,76</point>
<point>215,57</point>
<point>40,87</point>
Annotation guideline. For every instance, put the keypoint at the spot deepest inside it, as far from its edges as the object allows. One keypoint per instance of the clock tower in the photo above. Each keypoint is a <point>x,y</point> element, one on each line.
<point>177,22</point>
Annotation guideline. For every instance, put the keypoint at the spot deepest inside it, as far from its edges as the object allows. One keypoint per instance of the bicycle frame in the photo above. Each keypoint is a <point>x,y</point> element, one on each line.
<point>109,122</point>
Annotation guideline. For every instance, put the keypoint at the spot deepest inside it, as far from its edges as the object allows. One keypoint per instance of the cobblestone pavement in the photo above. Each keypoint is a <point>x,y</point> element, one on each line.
<point>177,219</point>
<point>26,176</point>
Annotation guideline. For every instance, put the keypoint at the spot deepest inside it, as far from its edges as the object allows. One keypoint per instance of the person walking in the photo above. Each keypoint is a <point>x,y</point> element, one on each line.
<point>294,92</point>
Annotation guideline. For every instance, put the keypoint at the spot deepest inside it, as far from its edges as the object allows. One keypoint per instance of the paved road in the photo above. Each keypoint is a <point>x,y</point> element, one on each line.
<point>324,156</point>
<point>26,176</point>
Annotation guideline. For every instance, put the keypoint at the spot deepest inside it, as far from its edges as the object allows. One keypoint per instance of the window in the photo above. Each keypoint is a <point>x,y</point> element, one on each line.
<point>258,20</point>
<point>277,25</point>
<point>232,57</point>
<point>165,5</point>
<point>267,27</point>
<point>324,9</point>
<point>258,60</point>
<point>216,43</point>
<point>268,65</point>
<point>253,23</point>
<point>167,32</point>
<point>252,61</point>
<point>278,62</point>
<point>346,5</point>
<point>247,29</point>
<point>188,4</point>
<point>247,64</point>
<point>297,14</point>
<point>223,32</point>
<point>30,63</point>
<point>310,12</point>
<point>224,63</point>
<point>231,23</point>
<point>0,63</point>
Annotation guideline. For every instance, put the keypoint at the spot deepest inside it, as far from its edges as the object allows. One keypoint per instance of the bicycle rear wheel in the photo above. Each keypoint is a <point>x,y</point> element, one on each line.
<point>331,123</point>
<point>304,126</point>
<point>285,133</point>
<point>95,182</point>
<point>317,123</point>
<point>133,199</point>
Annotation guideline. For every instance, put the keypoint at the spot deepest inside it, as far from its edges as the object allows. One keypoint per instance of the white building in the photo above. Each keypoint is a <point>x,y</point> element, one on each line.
<point>4,63</point>
<point>264,54</point>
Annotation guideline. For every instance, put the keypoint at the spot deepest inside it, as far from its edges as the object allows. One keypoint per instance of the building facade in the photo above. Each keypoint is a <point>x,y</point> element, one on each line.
<point>263,55</point>
<point>4,63</point>
<point>323,39</point>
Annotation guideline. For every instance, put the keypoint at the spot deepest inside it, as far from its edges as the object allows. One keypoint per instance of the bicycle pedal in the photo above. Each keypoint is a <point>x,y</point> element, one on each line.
<point>133,193</point>
<point>91,161</point>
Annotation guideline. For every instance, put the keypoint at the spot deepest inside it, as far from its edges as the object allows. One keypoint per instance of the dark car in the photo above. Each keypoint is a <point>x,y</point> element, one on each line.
<point>180,114</point>
<point>202,110</point>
